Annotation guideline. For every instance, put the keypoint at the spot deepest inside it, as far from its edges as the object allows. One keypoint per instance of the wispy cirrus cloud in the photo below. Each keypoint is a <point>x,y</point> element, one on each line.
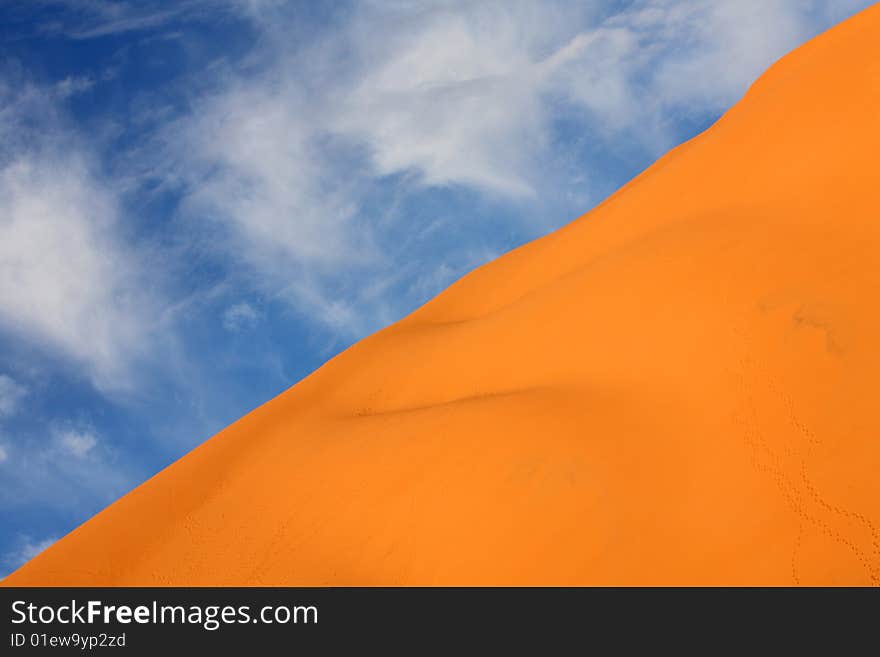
<point>11,393</point>
<point>240,316</point>
<point>68,468</point>
<point>69,281</point>
<point>286,151</point>
<point>77,443</point>
<point>91,19</point>
<point>26,548</point>
<point>301,159</point>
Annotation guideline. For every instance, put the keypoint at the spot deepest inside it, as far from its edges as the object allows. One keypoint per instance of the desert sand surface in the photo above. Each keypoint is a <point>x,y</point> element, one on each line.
<point>678,388</point>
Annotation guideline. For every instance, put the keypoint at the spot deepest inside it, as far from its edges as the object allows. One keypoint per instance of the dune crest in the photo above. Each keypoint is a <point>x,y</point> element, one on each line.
<point>680,387</point>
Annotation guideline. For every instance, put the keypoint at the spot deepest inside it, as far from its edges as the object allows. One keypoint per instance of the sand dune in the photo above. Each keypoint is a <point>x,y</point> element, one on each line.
<point>679,387</point>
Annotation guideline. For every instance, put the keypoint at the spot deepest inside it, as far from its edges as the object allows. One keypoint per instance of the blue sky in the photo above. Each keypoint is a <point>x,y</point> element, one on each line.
<point>202,201</point>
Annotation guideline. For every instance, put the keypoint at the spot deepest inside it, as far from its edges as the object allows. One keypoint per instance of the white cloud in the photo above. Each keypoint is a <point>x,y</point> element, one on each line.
<point>445,93</point>
<point>66,279</point>
<point>77,443</point>
<point>66,468</point>
<point>27,548</point>
<point>88,19</point>
<point>451,92</point>
<point>249,158</point>
<point>73,85</point>
<point>240,316</point>
<point>281,158</point>
<point>4,455</point>
<point>721,47</point>
<point>11,393</point>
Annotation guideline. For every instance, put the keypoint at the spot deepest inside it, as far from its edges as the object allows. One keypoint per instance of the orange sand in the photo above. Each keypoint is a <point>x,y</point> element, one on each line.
<point>677,388</point>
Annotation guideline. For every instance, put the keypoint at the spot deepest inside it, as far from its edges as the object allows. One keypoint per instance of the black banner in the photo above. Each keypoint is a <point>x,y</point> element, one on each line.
<point>175,620</point>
